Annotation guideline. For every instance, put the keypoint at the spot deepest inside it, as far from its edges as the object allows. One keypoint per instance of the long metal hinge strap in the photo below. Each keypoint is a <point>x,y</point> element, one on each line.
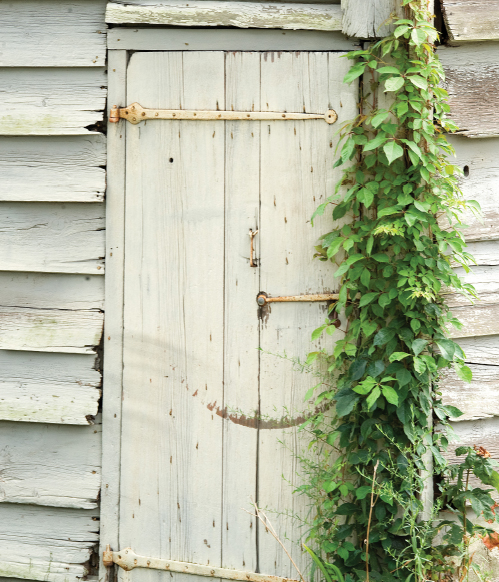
<point>135,113</point>
<point>128,560</point>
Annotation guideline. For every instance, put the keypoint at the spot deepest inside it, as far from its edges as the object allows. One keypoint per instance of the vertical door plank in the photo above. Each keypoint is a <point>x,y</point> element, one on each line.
<point>297,175</point>
<point>173,342</point>
<point>241,312</point>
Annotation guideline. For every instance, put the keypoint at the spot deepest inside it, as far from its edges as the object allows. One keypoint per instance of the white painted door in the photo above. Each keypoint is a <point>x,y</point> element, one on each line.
<point>203,408</point>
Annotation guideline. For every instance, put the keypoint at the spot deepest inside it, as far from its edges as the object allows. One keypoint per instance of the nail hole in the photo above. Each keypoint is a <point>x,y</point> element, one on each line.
<point>466,171</point>
<point>171,160</point>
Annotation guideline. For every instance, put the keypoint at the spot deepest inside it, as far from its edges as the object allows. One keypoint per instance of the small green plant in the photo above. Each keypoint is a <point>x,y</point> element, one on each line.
<point>394,258</point>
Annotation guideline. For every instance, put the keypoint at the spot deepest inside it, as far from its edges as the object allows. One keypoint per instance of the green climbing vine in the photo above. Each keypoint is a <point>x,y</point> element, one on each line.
<point>394,251</point>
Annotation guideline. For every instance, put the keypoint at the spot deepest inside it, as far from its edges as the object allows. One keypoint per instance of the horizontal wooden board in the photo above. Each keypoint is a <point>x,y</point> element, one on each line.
<point>472,76</point>
<point>50,465</point>
<point>479,319</point>
<point>479,159</point>
<point>53,169</point>
<point>192,39</point>
<point>59,33</point>
<point>51,101</point>
<point>471,21</point>
<point>478,399</point>
<point>49,387</point>
<point>50,330</point>
<point>44,543</point>
<point>481,349</point>
<point>226,13</point>
<point>54,238</point>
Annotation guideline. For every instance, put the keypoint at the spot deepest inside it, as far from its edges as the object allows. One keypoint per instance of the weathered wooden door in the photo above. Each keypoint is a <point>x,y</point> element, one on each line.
<point>203,407</point>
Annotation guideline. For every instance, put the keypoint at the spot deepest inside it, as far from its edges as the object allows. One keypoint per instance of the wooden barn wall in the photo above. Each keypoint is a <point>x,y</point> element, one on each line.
<point>52,222</point>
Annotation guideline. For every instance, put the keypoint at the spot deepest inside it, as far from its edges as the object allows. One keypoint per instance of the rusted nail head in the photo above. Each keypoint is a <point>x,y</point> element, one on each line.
<point>144,114</point>
<point>261,300</point>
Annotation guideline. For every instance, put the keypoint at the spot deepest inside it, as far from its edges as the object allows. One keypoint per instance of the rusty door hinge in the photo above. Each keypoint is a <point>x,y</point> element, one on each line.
<point>135,113</point>
<point>128,560</point>
<point>262,298</point>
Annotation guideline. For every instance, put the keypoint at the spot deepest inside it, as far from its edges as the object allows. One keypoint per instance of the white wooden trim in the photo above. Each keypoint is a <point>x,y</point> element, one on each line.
<point>113,325</point>
<point>226,13</point>
<point>226,39</point>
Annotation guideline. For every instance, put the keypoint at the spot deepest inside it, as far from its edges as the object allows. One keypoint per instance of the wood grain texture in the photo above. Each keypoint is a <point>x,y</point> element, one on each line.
<point>113,323</point>
<point>51,101</point>
<point>481,350</point>
<point>187,39</point>
<point>296,175</point>
<point>225,13</point>
<point>478,159</point>
<point>471,78</point>
<point>192,375</point>
<point>46,544</point>
<point>479,319</point>
<point>173,315</point>
<point>48,387</point>
<point>363,19</point>
<point>59,33</point>
<point>56,238</point>
<point>50,465</point>
<point>53,169</point>
<point>471,20</point>
<point>478,399</point>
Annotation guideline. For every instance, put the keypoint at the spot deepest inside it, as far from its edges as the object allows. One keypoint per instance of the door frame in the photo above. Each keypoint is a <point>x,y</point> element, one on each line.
<point>150,39</point>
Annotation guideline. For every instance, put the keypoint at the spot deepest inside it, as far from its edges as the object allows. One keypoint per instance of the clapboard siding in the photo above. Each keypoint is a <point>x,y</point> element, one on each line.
<point>53,169</point>
<point>478,399</point>
<point>50,465</point>
<point>471,78</point>
<point>479,159</point>
<point>224,13</point>
<point>43,543</point>
<point>48,387</point>
<point>60,33</point>
<point>51,101</point>
<point>481,350</point>
<point>57,238</point>
<point>471,21</point>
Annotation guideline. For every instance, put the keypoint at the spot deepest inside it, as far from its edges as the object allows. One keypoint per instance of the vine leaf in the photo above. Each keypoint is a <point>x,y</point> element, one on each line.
<point>418,346</point>
<point>383,336</point>
<point>394,84</point>
<point>447,349</point>
<point>393,151</point>
<point>390,394</point>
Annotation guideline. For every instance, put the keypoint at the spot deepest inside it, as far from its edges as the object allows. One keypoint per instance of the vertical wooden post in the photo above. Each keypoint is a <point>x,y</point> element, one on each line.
<point>113,323</point>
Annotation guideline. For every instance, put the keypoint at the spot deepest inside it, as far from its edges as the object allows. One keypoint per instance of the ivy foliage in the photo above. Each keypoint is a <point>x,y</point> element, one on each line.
<point>395,260</point>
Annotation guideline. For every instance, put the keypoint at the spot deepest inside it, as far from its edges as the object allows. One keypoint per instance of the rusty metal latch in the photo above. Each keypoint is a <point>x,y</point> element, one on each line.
<point>128,560</point>
<point>262,298</point>
<point>135,113</point>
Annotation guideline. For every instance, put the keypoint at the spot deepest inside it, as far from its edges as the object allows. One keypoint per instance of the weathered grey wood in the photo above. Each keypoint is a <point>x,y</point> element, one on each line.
<point>50,388</point>
<point>242,327</point>
<point>51,101</point>
<point>479,160</point>
<point>54,238</point>
<point>478,399</point>
<point>113,323</point>
<point>479,319</point>
<point>173,315</point>
<point>471,21</point>
<point>46,544</point>
<point>50,330</point>
<point>225,13</point>
<point>186,39</point>
<point>472,75</point>
<point>50,465</point>
<point>296,175</point>
<point>481,350</point>
<point>53,169</point>
<point>363,19</point>
<point>58,33</point>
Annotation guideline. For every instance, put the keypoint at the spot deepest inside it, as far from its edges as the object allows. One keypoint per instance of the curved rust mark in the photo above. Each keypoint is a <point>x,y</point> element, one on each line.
<point>256,422</point>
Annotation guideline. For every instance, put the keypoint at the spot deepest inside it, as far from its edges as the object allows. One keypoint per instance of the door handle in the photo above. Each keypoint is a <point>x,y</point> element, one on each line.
<point>262,298</point>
